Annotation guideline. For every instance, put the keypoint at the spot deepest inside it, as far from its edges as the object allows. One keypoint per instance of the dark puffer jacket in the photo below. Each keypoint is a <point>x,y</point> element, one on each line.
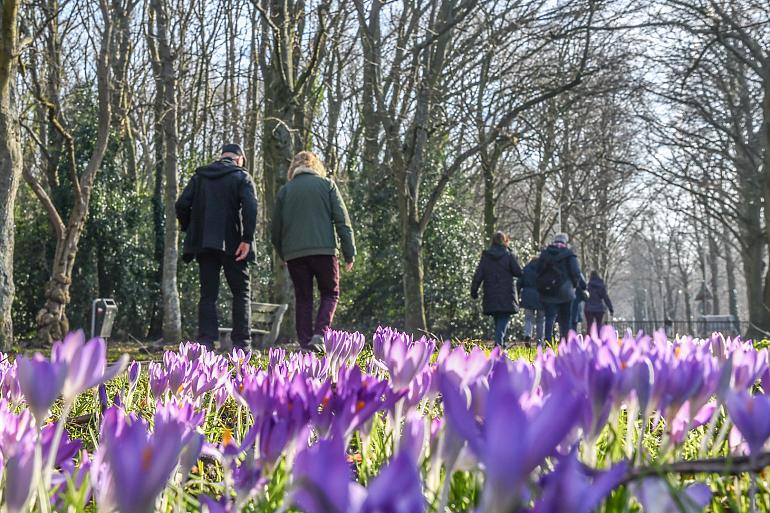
<point>218,210</point>
<point>528,294</point>
<point>496,270</point>
<point>563,257</point>
<point>598,296</point>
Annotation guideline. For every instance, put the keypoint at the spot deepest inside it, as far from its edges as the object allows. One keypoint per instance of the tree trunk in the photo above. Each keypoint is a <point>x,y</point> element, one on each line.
<point>278,148</point>
<point>172,316</point>
<point>490,219</point>
<point>10,164</point>
<point>158,221</point>
<point>537,225</point>
<point>414,296</point>
<point>752,270</point>
<point>714,270</point>
<point>732,284</point>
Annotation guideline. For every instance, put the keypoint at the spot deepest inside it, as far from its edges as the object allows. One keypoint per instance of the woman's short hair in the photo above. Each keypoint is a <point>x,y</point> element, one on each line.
<point>308,161</point>
<point>500,238</point>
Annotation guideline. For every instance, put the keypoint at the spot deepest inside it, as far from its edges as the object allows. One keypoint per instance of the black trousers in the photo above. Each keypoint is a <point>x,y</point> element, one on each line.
<point>237,275</point>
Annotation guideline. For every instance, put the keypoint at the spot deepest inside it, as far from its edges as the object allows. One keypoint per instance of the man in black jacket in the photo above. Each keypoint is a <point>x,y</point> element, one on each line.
<point>218,213</point>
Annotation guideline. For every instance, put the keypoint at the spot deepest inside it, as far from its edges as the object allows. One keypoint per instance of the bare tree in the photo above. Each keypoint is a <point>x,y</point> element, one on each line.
<point>10,161</point>
<point>52,320</point>
<point>289,70</point>
<point>164,61</point>
<point>410,99</point>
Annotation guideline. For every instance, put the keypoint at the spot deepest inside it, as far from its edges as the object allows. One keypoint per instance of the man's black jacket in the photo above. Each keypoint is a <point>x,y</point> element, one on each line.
<point>218,209</point>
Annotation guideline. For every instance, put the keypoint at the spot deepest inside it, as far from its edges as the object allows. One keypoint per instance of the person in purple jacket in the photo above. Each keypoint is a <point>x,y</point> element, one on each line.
<point>598,298</point>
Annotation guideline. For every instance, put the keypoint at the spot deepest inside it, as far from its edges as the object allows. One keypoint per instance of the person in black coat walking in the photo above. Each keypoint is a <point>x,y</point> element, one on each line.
<point>534,314</point>
<point>496,270</point>
<point>218,213</point>
<point>558,279</point>
<point>598,297</point>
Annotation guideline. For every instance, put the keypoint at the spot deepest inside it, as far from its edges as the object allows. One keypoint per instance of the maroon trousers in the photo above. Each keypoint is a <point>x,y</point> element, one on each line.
<point>593,318</point>
<point>325,270</point>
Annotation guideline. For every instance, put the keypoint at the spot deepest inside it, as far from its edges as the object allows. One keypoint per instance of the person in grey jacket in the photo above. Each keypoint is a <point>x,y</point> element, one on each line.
<point>308,218</point>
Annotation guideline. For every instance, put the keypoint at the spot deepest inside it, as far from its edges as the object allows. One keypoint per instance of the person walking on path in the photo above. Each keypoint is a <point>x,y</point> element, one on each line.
<point>534,315</point>
<point>598,298</point>
<point>308,218</point>
<point>576,317</point>
<point>496,270</point>
<point>218,213</point>
<point>558,278</point>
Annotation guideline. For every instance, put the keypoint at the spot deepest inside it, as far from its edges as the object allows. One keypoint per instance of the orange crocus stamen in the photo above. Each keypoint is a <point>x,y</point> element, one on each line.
<point>360,406</point>
<point>146,458</point>
<point>227,436</point>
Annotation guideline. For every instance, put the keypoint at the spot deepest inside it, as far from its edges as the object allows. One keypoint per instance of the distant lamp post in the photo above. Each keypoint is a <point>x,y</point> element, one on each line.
<point>103,311</point>
<point>703,297</point>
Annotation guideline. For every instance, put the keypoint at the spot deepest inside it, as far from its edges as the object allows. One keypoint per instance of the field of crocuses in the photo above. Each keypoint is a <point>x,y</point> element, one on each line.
<point>599,423</point>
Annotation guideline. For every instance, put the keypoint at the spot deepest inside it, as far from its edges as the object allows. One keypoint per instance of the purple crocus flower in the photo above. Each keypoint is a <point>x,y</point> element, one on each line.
<point>140,463</point>
<point>9,384</point>
<point>322,478</point>
<point>209,505</point>
<point>17,456</point>
<point>402,355</point>
<point>323,483</point>
<point>683,424</point>
<point>572,488</point>
<point>74,478</point>
<point>247,480</point>
<point>749,364</point>
<point>397,488</point>
<point>19,472</point>
<point>342,349</point>
<point>655,495</point>
<point>41,383</point>
<point>180,412</point>
<point>102,483</point>
<point>510,443</point>
<point>134,370</point>
<point>86,363</point>
<point>354,400</point>
<point>104,400</point>
<point>67,449</point>
<point>751,416</point>
<point>413,436</point>
<point>465,367</point>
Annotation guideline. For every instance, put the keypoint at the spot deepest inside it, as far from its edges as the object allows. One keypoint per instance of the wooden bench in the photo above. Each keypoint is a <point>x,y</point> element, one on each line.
<point>266,322</point>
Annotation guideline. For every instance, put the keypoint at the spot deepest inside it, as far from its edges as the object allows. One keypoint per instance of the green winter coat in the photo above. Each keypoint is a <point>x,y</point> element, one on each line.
<point>309,215</point>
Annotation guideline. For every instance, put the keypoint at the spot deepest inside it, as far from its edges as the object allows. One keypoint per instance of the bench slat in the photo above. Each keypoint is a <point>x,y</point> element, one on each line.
<point>264,307</point>
<point>262,317</point>
<point>252,331</point>
<point>267,315</point>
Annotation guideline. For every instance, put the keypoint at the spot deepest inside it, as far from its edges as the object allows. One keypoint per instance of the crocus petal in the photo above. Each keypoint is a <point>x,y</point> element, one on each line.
<point>655,495</point>
<point>41,383</point>
<point>18,480</point>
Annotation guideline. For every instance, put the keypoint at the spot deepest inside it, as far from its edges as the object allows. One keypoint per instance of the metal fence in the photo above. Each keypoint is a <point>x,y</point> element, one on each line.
<point>695,327</point>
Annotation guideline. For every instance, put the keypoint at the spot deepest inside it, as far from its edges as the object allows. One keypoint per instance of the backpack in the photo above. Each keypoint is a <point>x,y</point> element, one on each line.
<point>550,277</point>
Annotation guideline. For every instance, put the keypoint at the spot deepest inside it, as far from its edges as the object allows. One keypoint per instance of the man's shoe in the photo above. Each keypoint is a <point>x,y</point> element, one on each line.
<point>317,344</point>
